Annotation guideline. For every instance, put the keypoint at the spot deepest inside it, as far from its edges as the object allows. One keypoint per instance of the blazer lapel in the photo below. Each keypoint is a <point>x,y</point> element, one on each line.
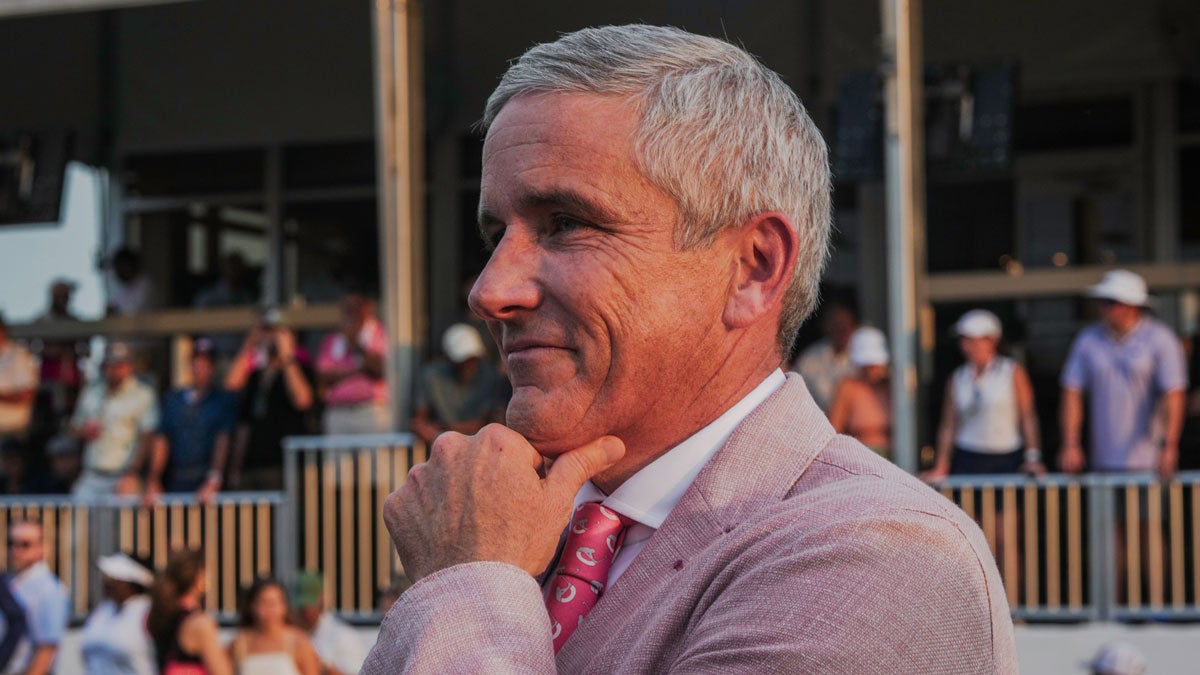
<point>763,458</point>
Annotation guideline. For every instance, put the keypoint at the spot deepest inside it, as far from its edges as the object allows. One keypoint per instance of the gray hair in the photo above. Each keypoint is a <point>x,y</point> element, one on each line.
<point>719,132</point>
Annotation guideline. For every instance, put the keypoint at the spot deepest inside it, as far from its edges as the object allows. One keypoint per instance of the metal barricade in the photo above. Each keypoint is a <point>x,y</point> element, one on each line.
<point>240,533</point>
<point>1066,550</point>
<point>336,487</point>
<point>1038,531</point>
<point>1069,548</point>
<point>1153,536</point>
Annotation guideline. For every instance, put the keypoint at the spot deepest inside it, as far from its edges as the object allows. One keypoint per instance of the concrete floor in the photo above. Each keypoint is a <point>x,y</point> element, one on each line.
<point>1042,649</point>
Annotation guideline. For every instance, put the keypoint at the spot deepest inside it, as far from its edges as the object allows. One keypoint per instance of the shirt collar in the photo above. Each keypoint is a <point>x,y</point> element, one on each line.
<point>32,571</point>
<point>650,494</point>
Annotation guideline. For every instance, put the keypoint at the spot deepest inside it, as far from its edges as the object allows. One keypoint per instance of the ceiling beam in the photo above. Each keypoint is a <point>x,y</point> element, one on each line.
<point>13,8</point>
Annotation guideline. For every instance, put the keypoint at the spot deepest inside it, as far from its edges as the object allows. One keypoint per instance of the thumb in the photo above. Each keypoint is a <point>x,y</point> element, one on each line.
<point>572,469</point>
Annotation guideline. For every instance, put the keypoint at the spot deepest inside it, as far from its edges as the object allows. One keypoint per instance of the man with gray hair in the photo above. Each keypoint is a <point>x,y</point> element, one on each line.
<point>662,498</point>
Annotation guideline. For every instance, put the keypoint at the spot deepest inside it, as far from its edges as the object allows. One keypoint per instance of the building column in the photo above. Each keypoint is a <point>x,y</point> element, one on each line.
<point>904,179</point>
<point>399,136</point>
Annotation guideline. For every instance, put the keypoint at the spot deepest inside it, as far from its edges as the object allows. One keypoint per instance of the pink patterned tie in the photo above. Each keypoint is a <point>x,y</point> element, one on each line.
<point>592,543</point>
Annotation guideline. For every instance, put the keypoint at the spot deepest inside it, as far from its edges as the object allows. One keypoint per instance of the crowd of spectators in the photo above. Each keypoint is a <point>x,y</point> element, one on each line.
<point>148,622</point>
<point>112,433</point>
<point>1129,367</point>
<point>100,421</point>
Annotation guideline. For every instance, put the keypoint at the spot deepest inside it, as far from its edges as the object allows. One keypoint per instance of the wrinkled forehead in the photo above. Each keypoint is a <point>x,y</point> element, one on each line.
<point>600,125</point>
<point>556,144</point>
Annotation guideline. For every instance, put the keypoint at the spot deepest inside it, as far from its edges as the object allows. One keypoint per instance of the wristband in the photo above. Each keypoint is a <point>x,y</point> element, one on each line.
<point>1033,455</point>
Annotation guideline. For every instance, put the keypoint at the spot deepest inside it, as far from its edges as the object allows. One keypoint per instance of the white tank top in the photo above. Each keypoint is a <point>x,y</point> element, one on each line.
<point>268,663</point>
<point>988,419</point>
<point>265,663</point>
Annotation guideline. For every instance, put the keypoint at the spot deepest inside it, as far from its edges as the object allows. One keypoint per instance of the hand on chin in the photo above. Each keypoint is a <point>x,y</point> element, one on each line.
<point>487,498</point>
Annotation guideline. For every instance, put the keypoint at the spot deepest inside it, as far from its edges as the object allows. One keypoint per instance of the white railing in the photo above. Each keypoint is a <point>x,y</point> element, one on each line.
<point>240,533</point>
<point>1063,544</point>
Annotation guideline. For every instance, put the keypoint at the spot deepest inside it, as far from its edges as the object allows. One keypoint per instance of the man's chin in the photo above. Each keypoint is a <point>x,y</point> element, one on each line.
<point>550,434</point>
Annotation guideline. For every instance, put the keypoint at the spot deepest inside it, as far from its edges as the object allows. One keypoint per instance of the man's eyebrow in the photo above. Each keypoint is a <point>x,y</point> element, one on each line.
<point>566,200</point>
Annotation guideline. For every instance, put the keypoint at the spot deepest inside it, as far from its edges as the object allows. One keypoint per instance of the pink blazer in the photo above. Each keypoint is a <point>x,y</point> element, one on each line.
<point>795,551</point>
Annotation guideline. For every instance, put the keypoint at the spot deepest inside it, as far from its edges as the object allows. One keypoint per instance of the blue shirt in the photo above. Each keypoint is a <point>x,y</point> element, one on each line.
<point>46,612</point>
<point>1124,379</point>
<point>191,424</point>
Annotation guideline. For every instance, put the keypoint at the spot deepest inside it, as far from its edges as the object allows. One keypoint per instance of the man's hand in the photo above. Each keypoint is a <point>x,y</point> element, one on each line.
<point>153,493</point>
<point>935,475</point>
<point>425,430</point>
<point>207,494</point>
<point>1034,469</point>
<point>128,485</point>
<point>285,344</point>
<point>1071,459</point>
<point>1168,462</point>
<point>482,498</point>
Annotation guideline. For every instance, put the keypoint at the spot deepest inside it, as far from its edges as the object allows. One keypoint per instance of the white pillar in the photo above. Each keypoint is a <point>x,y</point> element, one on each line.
<point>905,186</point>
<point>400,142</point>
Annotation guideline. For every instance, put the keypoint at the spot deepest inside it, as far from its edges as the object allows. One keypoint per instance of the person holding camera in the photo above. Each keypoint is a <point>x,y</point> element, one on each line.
<point>275,381</point>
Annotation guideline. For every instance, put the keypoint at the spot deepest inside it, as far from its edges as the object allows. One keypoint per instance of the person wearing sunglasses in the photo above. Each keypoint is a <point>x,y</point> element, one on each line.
<point>42,596</point>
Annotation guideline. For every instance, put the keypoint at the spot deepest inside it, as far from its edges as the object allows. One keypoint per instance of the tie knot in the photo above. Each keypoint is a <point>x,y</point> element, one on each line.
<point>592,542</point>
<point>594,515</point>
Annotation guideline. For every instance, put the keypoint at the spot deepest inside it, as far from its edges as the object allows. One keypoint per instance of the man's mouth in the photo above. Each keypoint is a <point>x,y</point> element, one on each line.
<point>523,345</point>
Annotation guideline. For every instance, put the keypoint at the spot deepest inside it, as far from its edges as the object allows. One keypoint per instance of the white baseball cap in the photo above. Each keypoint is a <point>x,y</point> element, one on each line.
<point>1124,287</point>
<point>1118,658</point>
<point>978,323</point>
<point>121,567</point>
<point>461,342</point>
<point>868,347</point>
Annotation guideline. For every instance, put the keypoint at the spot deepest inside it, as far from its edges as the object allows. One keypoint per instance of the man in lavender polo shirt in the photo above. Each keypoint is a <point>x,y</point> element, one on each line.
<point>1128,363</point>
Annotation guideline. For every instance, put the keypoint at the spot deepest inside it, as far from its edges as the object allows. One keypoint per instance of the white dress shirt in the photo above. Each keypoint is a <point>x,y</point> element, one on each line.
<point>650,494</point>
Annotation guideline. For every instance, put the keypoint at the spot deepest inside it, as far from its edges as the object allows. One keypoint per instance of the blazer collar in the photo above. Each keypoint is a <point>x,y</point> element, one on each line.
<point>762,460</point>
<point>760,463</point>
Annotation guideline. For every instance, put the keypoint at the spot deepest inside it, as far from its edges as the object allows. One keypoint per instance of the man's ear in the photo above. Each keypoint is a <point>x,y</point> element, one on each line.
<point>765,259</point>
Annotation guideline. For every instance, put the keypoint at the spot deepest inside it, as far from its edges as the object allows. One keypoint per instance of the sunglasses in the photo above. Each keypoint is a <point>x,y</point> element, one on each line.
<point>21,543</point>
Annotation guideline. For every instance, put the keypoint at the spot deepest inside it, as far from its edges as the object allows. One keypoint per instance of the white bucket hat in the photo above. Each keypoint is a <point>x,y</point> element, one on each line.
<point>462,342</point>
<point>1118,658</point>
<point>868,347</point>
<point>978,323</point>
<point>121,567</point>
<point>1124,287</point>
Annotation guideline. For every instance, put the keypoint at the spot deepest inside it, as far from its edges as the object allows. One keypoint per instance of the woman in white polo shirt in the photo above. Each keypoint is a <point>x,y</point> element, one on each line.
<point>989,425</point>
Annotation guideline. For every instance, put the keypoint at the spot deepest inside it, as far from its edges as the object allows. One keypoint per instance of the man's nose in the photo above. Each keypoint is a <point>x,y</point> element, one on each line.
<point>508,284</point>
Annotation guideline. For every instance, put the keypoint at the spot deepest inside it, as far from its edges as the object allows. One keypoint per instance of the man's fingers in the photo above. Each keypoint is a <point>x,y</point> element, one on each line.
<point>572,469</point>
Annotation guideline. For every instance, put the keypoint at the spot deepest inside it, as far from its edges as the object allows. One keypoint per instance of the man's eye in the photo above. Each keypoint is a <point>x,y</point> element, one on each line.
<point>492,236</point>
<point>560,224</point>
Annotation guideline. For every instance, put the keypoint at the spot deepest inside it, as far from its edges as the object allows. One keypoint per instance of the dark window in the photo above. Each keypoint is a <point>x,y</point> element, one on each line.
<point>195,172</point>
<point>1069,125</point>
<point>1189,201</point>
<point>969,225</point>
<point>1189,107</point>
<point>329,165</point>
